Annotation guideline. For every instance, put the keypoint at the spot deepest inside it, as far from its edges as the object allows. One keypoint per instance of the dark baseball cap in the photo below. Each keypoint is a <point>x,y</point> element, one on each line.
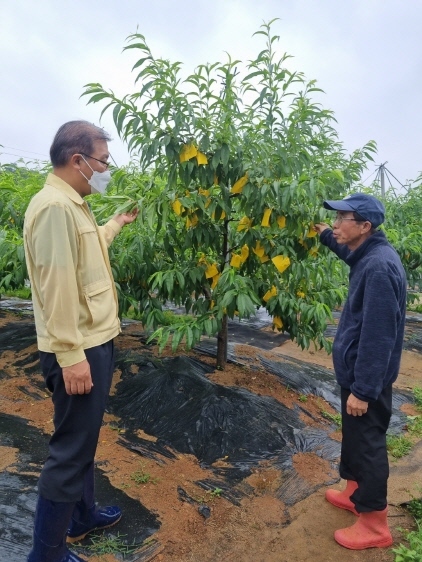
<point>367,206</point>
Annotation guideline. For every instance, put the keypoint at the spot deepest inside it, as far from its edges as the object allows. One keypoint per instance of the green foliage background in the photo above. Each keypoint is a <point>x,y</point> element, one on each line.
<point>231,159</point>
<point>18,184</point>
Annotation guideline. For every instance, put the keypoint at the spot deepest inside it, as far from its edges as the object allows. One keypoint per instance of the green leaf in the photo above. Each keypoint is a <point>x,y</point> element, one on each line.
<point>225,154</point>
<point>98,97</point>
<point>189,337</point>
<point>180,279</point>
<point>169,282</point>
<point>177,337</point>
<point>216,159</point>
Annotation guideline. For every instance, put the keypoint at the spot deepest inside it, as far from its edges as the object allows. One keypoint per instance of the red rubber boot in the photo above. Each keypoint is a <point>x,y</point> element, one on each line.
<point>342,499</point>
<point>370,530</point>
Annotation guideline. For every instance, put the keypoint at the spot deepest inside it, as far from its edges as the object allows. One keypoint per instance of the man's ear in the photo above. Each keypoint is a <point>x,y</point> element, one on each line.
<point>75,161</point>
<point>366,227</point>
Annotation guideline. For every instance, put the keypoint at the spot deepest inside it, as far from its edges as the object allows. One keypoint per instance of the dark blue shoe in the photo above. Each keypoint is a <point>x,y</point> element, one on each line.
<point>95,519</point>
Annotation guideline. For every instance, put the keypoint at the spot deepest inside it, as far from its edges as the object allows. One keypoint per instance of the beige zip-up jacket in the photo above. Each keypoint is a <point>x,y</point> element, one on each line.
<point>73,292</point>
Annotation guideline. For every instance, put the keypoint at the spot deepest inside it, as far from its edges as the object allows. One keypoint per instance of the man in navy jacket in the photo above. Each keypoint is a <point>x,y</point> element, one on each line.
<point>366,356</point>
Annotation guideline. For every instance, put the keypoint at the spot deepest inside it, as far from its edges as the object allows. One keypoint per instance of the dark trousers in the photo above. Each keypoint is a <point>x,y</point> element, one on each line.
<point>364,451</point>
<point>77,423</point>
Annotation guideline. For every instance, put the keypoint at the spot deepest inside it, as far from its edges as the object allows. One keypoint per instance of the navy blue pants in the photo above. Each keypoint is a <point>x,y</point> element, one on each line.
<point>364,451</point>
<point>77,423</point>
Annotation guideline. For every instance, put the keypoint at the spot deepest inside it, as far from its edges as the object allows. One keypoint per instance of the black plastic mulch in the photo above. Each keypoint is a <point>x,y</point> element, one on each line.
<point>413,333</point>
<point>18,496</point>
<point>174,401</point>
<point>312,379</point>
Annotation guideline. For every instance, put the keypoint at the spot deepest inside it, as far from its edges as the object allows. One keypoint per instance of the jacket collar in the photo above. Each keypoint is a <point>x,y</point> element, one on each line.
<point>65,188</point>
<point>376,239</point>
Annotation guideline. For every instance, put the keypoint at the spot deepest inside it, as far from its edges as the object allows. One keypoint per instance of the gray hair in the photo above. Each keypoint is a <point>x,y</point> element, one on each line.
<point>75,137</point>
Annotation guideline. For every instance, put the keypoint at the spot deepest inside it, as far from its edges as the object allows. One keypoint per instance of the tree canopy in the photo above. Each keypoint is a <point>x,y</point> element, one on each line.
<point>239,159</point>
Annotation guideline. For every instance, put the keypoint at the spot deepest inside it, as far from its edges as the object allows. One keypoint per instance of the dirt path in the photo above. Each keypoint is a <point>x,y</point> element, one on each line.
<point>261,528</point>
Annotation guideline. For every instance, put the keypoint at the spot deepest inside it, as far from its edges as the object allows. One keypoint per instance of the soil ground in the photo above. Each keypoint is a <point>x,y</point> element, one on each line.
<point>261,528</point>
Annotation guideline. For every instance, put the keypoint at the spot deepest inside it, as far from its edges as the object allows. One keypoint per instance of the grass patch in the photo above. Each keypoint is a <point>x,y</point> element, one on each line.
<point>24,293</point>
<point>398,445</point>
<point>415,425</point>
<point>173,319</point>
<point>415,508</point>
<point>210,496</point>
<point>108,544</point>
<point>142,477</point>
<point>412,551</point>
<point>414,301</point>
<point>336,418</point>
<point>168,317</point>
<point>216,493</point>
<point>417,394</point>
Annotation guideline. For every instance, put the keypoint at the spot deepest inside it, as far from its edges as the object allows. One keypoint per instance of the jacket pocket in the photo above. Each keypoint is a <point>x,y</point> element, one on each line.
<point>99,297</point>
<point>87,229</point>
<point>350,355</point>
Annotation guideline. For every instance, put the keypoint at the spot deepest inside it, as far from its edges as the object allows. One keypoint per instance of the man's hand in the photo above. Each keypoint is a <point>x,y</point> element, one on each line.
<point>126,218</point>
<point>320,227</point>
<point>77,378</point>
<point>356,407</point>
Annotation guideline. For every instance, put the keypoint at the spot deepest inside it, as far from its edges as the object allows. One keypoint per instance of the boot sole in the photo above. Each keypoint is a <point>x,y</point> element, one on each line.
<point>81,537</point>
<point>384,543</point>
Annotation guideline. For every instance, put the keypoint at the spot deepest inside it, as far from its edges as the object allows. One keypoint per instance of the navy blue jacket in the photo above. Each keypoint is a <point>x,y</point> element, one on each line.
<point>369,339</point>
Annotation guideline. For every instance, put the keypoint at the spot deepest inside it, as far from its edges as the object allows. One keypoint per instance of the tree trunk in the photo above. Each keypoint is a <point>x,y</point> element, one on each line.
<point>223,336</point>
<point>222,340</point>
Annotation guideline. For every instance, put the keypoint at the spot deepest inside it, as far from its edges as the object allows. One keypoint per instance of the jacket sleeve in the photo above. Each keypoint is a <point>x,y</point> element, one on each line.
<point>381,313</point>
<point>327,239</point>
<point>109,231</point>
<point>55,249</point>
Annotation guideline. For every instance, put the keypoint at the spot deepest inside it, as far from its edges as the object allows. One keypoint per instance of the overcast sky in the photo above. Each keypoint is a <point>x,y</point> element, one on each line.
<point>365,54</point>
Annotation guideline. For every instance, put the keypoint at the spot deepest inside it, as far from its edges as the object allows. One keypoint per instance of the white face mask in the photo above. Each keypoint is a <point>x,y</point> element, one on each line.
<point>99,180</point>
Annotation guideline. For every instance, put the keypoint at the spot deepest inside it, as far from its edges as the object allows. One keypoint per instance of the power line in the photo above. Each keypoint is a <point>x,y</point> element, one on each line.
<point>388,172</point>
<point>21,150</point>
<point>17,155</point>
<point>370,176</point>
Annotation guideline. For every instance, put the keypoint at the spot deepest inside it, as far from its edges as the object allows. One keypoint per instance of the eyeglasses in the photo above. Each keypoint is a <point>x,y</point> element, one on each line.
<point>106,164</point>
<point>340,219</point>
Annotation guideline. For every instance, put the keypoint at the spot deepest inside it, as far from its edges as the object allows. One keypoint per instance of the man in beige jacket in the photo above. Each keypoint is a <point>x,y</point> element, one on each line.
<point>76,318</point>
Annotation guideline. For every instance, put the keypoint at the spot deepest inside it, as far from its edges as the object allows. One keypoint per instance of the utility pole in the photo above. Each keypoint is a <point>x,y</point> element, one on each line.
<point>382,178</point>
<point>382,173</point>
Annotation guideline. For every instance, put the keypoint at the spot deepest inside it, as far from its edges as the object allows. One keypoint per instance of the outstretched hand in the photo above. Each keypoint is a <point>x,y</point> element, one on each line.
<point>126,218</point>
<point>321,226</point>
